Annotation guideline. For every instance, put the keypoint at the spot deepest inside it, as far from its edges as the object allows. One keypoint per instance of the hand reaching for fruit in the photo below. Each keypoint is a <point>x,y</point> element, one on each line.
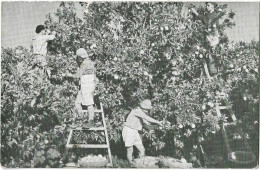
<point>194,11</point>
<point>160,123</point>
<point>70,75</point>
<point>165,125</point>
<point>48,31</point>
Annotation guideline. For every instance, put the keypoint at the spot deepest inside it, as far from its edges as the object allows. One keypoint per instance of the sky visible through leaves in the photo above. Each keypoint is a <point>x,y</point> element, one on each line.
<point>19,20</point>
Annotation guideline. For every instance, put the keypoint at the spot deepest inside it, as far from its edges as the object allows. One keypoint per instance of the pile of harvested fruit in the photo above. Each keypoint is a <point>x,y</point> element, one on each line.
<point>146,162</point>
<point>93,161</point>
<point>160,162</point>
<point>169,162</point>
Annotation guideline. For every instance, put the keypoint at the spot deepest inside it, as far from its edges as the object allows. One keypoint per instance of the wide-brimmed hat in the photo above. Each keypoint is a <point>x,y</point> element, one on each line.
<point>146,104</point>
<point>82,53</point>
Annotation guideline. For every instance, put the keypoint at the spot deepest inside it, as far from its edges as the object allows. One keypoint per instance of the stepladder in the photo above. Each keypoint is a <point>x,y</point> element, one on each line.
<point>78,135</point>
<point>238,149</point>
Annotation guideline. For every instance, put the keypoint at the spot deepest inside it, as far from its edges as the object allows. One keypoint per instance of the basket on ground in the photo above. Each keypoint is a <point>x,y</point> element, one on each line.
<point>241,157</point>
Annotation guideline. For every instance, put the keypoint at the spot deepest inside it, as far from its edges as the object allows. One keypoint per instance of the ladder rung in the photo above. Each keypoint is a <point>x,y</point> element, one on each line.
<point>230,124</point>
<point>87,145</point>
<point>224,107</point>
<point>94,128</point>
<point>96,111</point>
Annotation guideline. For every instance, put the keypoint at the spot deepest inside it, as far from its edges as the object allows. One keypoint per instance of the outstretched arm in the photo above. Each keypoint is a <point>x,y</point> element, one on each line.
<point>50,37</point>
<point>198,16</point>
<point>152,120</point>
<point>96,80</point>
<point>194,11</point>
<point>148,118</point>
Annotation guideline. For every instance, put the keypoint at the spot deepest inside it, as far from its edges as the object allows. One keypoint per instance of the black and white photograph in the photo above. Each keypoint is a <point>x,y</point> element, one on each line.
<point>129,84</point>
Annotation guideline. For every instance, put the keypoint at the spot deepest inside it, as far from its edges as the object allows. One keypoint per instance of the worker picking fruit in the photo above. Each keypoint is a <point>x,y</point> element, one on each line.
<point>132,125</point>
<point>88,82</point>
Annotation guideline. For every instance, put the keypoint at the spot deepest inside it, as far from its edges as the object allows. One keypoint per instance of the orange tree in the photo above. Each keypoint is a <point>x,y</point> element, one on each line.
<point>141,50</point>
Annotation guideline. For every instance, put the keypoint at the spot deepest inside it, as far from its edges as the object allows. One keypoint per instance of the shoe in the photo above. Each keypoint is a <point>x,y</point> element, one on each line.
<point>90,124</point>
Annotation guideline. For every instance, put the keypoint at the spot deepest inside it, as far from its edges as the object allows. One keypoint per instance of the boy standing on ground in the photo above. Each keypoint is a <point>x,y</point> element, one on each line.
<point>132,125</point>
<point>40,43</point>
<point>88,82</point>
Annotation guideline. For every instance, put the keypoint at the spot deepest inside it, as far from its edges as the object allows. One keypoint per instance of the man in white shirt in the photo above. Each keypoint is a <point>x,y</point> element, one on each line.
<point>40,43</point>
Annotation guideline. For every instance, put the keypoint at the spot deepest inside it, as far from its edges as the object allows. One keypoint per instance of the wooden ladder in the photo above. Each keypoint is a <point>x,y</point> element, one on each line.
<point>226,126</point>
<point>97,146</point>
<point>227,106</point>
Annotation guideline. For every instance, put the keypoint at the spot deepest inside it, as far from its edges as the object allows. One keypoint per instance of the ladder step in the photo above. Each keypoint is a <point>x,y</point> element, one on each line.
<point>230,124</point>
<point>94,128</point>
<point>96,111</point>
<point>224,107</point>
<point>87,145</point>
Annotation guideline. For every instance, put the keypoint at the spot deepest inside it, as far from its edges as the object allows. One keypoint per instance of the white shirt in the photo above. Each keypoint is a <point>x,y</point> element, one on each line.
<point>40,44</point>
<point>87,79</point>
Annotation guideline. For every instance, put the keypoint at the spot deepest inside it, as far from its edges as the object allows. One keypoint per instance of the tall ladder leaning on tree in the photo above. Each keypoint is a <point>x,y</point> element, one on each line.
<point>83,114</point>
<point>238,149</point>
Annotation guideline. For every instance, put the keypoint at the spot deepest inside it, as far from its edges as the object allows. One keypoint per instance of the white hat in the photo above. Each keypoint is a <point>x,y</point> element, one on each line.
<point>146,104</point>
<point>82,52</point>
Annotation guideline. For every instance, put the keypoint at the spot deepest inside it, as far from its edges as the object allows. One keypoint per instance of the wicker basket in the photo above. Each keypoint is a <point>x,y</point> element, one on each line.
<point>241,157</point>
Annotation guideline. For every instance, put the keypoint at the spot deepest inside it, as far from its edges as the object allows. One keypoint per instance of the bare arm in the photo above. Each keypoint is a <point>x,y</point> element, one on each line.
<point>152,120</point>
<point>194,11</point>
<point>198,16</point>
<point>96,80</point>
<point>78,74</point>
<point>49,37</point>
<point>148,118</point>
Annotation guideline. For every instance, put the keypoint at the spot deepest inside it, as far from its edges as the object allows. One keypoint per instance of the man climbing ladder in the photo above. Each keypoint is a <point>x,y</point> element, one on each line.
<point>88,82</point>
<point>211,37</point>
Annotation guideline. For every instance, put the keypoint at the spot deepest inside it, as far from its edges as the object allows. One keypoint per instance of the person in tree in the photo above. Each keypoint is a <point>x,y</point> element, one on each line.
<point>132,125</point>
<point>88,82</point>
<point>210,19</point>
<point>40,43</point>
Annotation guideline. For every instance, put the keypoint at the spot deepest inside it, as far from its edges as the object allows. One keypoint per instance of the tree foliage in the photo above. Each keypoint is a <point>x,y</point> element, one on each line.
<point>141,50</point>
